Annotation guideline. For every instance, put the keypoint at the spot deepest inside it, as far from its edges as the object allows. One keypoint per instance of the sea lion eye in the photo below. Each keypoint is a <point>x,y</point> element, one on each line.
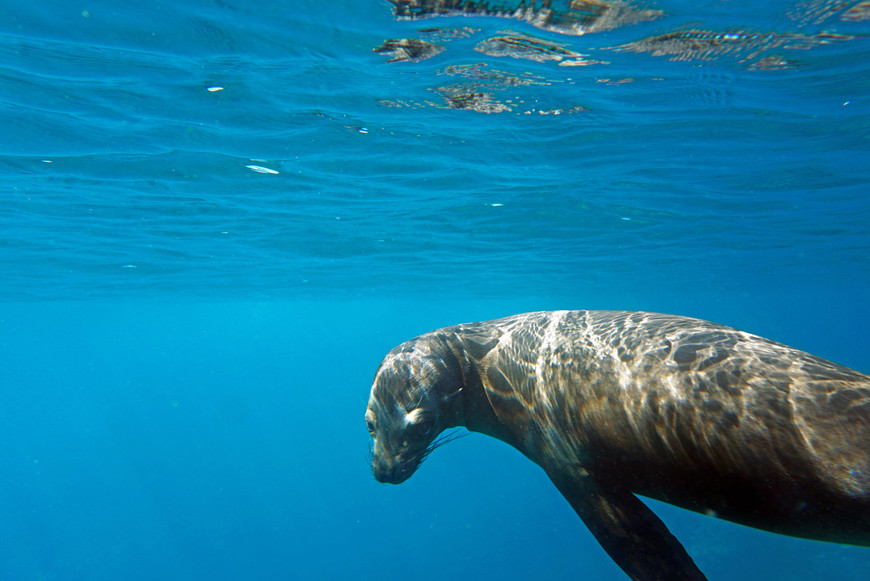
<point>424,428</point>
<point>370,426</point>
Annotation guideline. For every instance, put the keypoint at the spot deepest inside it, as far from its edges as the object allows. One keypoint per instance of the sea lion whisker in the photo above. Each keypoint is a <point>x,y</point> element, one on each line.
<point>445,439</point>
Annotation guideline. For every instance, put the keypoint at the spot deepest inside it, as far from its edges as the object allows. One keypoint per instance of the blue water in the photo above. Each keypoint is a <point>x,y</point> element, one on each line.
<point>217,216</point>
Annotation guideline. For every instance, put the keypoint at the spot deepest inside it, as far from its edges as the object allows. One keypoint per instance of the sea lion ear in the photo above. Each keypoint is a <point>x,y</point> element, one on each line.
<point>450,396</point>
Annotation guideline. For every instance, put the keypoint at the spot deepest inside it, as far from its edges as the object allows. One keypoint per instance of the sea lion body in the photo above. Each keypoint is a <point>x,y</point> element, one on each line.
<point>616,403</point>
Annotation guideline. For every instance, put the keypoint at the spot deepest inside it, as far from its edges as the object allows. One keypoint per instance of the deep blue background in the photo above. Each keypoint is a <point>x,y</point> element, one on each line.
<point>187,345</point>
<point>225,440</point>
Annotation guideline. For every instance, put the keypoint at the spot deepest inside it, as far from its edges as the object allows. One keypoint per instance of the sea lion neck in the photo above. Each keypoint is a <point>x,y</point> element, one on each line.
<point>474,409</point>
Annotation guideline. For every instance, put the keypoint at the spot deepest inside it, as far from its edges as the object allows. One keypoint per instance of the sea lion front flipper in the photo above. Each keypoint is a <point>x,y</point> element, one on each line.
<point>634,537</point>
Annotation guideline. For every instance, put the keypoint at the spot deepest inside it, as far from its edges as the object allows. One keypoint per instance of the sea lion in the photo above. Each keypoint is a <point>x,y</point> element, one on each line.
<point>616,403</point>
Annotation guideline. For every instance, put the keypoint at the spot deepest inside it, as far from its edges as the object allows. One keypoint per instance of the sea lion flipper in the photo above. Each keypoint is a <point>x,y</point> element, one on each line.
<point>634,537</point>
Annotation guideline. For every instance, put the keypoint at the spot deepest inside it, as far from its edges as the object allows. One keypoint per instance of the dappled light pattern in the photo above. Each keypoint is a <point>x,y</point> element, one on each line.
<point>522,46</point>
<point>483,89</point>
<point>705,45</point>
<point>409,49</point>
<point>575,17</point>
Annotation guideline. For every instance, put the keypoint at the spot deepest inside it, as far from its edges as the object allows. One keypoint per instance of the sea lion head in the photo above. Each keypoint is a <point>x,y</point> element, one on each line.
<point>410,405</point>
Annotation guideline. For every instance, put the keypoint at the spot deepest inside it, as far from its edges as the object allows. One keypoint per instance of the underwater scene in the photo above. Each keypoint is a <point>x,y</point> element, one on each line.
<point>217,217</point>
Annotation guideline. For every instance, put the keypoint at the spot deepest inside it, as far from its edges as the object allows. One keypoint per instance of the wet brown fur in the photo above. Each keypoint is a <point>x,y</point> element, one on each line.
<point>616,403</point>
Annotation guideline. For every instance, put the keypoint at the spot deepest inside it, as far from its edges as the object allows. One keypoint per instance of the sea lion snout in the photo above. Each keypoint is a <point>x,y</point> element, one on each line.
<point>389,470</point>
<point>399,444</point>
<point>388,465</point>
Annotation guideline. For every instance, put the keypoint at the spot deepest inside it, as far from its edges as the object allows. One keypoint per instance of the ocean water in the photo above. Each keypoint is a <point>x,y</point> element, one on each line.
<point>216,217</point>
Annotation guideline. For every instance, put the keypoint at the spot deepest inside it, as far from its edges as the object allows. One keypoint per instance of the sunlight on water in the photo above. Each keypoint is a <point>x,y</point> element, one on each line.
<point>217,216</point>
